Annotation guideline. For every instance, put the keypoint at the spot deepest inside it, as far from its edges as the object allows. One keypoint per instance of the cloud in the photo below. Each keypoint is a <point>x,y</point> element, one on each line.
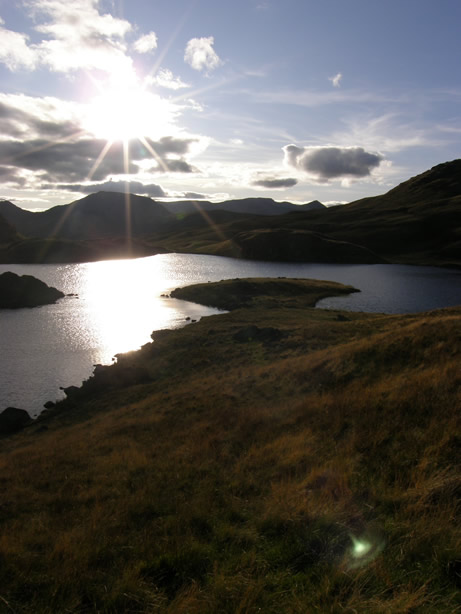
<point>332,162</point>
<point>200,54</point>
<point>14,50</point>
<point>9,175</point>
<point>178,166</point>
<point>170,145</point>
<point>146,43</point>
<point>133,187</point>
<point>74,160</point>
<point>336,80</point>
<point>194,196</point>
<point>42,136</point>
<point>79,37</point>
<point>165,78</point>
<point>289,182</point>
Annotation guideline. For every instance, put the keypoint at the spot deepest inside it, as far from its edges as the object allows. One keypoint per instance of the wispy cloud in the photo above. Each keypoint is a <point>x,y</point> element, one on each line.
<point>200,54</point>
<point>336,80</point>
<point>388,132</point>
<point>316,98</point>
<point>165,78</point>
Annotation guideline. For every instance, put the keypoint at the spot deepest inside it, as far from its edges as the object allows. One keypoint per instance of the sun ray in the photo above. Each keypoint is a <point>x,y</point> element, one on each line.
<point>99,159</point>
<point>167,47</point>
<point>32,150</point>
<point>126,164</point>
<point>151,150</point>
<point>202,90</point>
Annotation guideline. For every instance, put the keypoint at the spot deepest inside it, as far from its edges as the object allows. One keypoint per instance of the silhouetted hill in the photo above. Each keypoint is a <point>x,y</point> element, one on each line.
<point>418,222</point>
<point>97,216</point>
<point>250,206</point>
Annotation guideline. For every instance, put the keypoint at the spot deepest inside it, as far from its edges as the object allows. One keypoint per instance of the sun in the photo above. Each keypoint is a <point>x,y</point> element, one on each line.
<point>123,112</point>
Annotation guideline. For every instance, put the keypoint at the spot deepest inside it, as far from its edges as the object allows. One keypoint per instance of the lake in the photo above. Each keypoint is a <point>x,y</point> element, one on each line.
<point>119,304</point>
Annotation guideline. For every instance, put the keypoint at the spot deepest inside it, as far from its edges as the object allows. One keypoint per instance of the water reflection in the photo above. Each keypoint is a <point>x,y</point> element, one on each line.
<point>123,304</point>
<point>119,304</point>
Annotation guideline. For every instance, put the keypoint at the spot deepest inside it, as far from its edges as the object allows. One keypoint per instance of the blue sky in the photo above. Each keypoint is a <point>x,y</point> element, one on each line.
<point>291,99</point>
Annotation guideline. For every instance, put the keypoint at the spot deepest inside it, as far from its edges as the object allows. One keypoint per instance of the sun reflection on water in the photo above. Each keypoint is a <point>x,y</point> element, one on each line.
<point>121,304</point>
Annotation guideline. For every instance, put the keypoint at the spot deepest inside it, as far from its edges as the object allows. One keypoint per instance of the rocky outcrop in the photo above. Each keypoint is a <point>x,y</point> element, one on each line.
<point>12,420</point>
<point>25,291</point>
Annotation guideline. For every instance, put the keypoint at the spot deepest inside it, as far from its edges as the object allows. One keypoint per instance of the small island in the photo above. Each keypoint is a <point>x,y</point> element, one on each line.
<point>18,291</point>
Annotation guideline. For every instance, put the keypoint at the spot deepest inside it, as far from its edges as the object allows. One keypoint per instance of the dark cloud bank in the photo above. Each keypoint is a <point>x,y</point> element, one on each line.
<point>59,152</point>
<point>289,182</point>
<point>332,162</point>
<point>134,187</point>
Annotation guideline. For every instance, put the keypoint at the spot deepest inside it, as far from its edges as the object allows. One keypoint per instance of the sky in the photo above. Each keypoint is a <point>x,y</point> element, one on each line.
<point>296,100</point>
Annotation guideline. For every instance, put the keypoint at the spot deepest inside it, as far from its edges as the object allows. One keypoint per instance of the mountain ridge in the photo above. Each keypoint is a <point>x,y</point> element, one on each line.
<point>416,222</point>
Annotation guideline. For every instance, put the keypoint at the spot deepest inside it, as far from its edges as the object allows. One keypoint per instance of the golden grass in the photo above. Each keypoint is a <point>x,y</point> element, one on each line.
<point>238,476</point>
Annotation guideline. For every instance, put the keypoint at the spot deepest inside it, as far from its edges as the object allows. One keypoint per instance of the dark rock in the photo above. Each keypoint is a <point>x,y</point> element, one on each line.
<point>341,318</point>
<point>49,405</point>
<point>13,419</point>
<point>70,391</point>
<point>25,291</point>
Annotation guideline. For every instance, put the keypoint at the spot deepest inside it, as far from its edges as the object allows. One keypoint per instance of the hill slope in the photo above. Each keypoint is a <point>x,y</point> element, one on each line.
<point>97,216</point>
<point>7,232</point>
<point>275,458</point>
<point>418,222</point>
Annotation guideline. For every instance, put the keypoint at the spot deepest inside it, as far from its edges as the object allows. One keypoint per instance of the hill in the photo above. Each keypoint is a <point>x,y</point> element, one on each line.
<point>418,222</point>
<point>250,206</point>
<point>276,458</point>
<point>8,234</point>
<point>97,216</point>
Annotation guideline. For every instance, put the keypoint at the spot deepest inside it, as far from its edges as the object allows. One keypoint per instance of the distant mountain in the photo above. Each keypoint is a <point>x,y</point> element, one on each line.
<point>417,222</point>
<point>7,232</point>
<point>97,216</point>
<point>250,206</point>
<point>105,214</point>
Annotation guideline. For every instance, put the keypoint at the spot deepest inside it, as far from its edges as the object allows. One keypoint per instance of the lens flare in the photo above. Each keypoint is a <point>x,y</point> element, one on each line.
<point>363,549</point>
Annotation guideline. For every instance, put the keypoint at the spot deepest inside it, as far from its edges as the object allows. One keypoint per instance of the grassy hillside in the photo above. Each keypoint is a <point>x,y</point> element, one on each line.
<point>417,222</point>
<point>276,458</point>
